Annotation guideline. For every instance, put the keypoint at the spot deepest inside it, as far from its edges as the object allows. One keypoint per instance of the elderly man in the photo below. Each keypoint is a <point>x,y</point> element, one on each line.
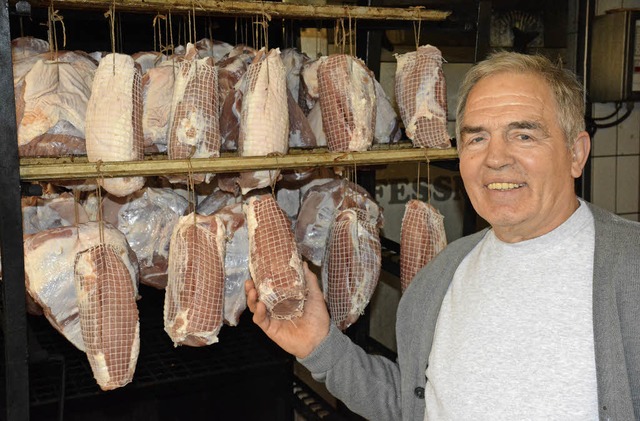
<point>537,317</point>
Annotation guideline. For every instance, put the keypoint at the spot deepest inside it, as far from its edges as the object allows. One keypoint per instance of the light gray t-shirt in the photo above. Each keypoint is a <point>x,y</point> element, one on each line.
<point>514,336</point>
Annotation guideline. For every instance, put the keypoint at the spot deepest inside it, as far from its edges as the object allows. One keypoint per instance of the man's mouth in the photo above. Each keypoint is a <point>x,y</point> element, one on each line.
<point>504,186</point>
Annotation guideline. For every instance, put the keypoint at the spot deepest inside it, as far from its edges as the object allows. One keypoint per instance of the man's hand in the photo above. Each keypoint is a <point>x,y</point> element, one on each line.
<point>300,335</point>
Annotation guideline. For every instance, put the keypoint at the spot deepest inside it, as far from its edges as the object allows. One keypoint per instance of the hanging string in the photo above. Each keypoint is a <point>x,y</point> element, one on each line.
<point>191,191</point>
<point>99,194</point>
<point>428,178</point>
<point>76,204</point>
<point>110,14</point>
<point>418,182</point>
<point>193,10</point>
<point>55,16</point>
<point>416,32</point>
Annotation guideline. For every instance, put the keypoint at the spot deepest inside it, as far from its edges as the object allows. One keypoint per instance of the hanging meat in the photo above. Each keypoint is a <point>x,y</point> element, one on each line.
<point>422,237</point>
<point>421,94</point>
<point>236,262</point>
<point>347,102</point>
<point>49,259</point>
<point>308,90</point>
<point>53,101</point>
<point>193,305</point>
<point>274,261</point>
<point>351,266</point>
<point>147,218</point>
<point>319,206</point>
<point>157,91</point>
<point>264,123</point>
<point>114,119</point>
<point>195,113</point>
<point>107,290</point>
<point>51,211</point>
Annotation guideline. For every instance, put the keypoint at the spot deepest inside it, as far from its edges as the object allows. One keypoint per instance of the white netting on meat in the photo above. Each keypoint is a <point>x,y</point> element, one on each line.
<point>195,127</point>
<point>108,315</point>
<point>422,237</point>
<point>421,94</point>
<point>274,260</point>
<point>347,102</point>
<point>194,297</point>
<point>351,267</point>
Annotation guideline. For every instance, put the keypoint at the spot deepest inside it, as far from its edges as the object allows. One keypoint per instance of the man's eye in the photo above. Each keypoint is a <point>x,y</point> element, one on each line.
<point>524,137</point>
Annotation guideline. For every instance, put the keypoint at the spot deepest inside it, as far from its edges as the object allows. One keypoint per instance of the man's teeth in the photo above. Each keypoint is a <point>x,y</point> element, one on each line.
<point>504,186</point>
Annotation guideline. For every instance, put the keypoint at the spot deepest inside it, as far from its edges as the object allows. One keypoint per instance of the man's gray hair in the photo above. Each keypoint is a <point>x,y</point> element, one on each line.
<point>567,90</point>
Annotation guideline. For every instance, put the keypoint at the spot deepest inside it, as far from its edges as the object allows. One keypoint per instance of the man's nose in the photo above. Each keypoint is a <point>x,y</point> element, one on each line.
<point>499,153</point>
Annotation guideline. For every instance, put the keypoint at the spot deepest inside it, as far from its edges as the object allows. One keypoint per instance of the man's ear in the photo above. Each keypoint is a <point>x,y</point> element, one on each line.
<point>580,153</point>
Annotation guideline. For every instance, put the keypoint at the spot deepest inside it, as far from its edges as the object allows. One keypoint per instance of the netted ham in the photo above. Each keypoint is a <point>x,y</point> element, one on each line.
<point>49,258</point>
<point>319,206</point>
<point>195,114</point>
<point>193,305</point>
<point>264,122</point>
<point>114,119</point>
<point>422,237</point>
<point>351,267</point>
<point>54,98</point>
<point>147,218</point>
<point>347,102</point>
<point>107,292</point>
<point>157,91</point>
<point>421,94</point>
<point>274,261</point>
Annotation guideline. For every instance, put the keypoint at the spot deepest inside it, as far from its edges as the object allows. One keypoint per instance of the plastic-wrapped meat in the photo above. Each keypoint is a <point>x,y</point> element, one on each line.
<point>422,237</point>
<point>387,127</point>
<point>54,103</point>
<point>157,91</point>
<point>230,121</point>
<point>148,60</point>
<point>106,284</point>
<point>49,258</point>
<point>347,102</point>
<point>52,211</point>
<point>215,201</point>
<point>274,261</point>
<point>25,52</point>
<point>421,94</point>
<point>213,48</point>
<point>351,267</point>
<point>309,90</point>
<point>193,305</point>
<point>315,122</point>
<point>317,212</point>
<point>147,218</point>
<point>293,61</point>
<point>114,119</point>
<point>264,123</point>
<point>300,132</point>
<point>236,262</point>
<point>195,114</point>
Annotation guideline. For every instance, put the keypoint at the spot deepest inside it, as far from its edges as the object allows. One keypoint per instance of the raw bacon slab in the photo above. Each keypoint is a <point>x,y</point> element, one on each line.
<point>274,261</point>
<point>193,305</point>
<point>347,102</point>
<point>264,122</point>
<point>351,267</point>
<point>422,237</point>
<point>114,119</point>
<point>108,314</point>
<point>421,94</point>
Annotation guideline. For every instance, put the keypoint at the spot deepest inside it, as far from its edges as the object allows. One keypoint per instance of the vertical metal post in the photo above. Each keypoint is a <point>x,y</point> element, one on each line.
<point>483,30</point>
<point>14,322</point>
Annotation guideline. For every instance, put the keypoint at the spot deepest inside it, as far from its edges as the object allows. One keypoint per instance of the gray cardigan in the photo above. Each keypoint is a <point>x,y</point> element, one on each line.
<point>380,389</point>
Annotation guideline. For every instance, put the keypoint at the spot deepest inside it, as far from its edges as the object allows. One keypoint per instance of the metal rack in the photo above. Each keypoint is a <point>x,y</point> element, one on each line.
<point>19,382</point>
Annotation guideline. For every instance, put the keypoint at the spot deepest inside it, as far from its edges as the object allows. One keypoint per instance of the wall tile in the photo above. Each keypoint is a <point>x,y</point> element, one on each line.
<point>604,143</point>
<point>628,184</point>
<point>629,133</point>
<point>603,182</point>
<point>603,5</point>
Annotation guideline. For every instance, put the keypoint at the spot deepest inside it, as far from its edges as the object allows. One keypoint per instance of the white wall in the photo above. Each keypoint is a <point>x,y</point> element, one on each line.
<point>615,151</point>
